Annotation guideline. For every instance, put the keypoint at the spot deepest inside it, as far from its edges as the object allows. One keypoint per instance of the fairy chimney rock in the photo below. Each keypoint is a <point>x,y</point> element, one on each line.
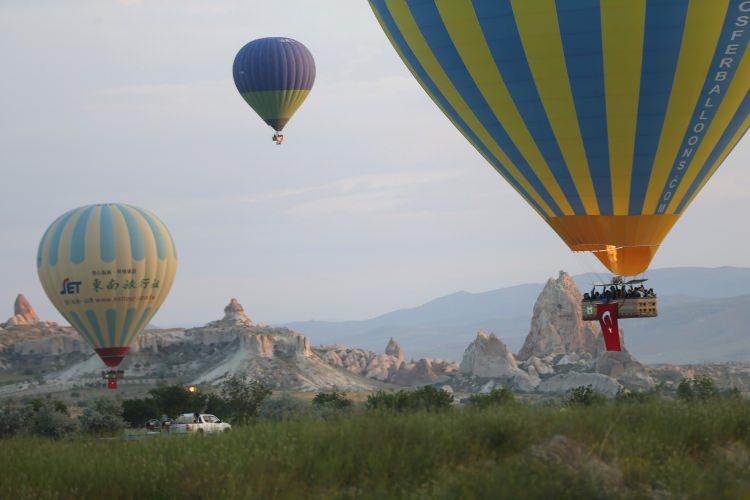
<point>557,326</point>
<point>393,349</point>
<point>23,313</point>
<point>235,313</point>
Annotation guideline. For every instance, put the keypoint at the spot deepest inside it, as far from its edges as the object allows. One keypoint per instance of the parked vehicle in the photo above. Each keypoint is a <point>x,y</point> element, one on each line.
<point>199,423</point>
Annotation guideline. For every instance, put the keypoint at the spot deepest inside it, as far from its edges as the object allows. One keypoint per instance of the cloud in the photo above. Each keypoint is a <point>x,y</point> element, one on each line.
<point>324,198</point>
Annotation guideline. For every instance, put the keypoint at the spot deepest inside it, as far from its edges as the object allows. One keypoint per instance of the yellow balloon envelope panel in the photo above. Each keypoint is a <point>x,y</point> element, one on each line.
<point>107,269</point>
<point>607,116</point>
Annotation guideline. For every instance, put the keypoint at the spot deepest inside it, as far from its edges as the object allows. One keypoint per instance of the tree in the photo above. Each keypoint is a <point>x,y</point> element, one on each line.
<point>173,400</point>
<point>137,411</point>
<point>243,397</point>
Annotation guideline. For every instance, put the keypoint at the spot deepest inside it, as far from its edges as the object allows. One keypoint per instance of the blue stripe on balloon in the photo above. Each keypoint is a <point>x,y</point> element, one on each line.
<point>273,64</point>
<point>501,33</point>
<point>581,31</point>
<point>422,75</point>
<point>665,23</point>
<point>142,322</point>
<point>734,125</point>
<point>54,244</point>
<point>427,17</point>
<point>701,110</point>
<point>126,325</point>
<point>107,244</point>
<point>94,321</point>
<point>161,248</point>
<point>137,245</point>
<point>40,250</point>
<point>78,238</point>
<point>111,315</point>
<point>75,320</point>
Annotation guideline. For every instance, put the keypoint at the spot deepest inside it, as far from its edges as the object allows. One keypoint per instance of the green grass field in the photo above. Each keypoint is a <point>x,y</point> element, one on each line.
<point>656,449</point>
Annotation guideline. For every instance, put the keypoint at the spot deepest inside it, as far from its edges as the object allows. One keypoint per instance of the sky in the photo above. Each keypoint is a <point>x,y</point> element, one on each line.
<point>374,202</point>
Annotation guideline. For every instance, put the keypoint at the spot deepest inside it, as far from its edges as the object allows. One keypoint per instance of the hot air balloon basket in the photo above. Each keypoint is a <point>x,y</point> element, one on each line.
<point>112,376</point>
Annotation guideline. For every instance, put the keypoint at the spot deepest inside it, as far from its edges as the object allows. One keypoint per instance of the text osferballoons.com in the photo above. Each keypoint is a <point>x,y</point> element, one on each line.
<point>608,117</point>
<point>107,269</point>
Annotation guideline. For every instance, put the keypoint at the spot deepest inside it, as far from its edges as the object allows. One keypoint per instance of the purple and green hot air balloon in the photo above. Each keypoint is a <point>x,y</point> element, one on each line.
<point>274,76</point>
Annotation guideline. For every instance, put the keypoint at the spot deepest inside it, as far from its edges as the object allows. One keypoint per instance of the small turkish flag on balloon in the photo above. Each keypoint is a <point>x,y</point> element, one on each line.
<point>111,383</point>
<point>607,314</point>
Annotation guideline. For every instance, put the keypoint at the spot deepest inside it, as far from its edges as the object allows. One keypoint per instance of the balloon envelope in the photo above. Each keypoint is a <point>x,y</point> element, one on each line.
<point>607,116</point>
<point>107,269</point>
<point>274,76</point>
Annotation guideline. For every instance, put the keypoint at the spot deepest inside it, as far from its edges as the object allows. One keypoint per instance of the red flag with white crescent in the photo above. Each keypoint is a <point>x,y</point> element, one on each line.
<point>607,314</point>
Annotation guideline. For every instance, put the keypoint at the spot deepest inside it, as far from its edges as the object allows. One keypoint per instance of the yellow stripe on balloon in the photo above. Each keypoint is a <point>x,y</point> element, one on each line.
<point>731,102</point>
<point>463,26</point>
<point>701,35</point>
<point>623,26</point>
<point>540,35</point>
<point>410,31</point>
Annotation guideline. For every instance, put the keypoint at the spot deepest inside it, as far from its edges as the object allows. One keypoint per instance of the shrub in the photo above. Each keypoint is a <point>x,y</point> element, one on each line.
<point>243,397</point>
<point>496,397</point>
<point>13,419</point>
<point>104,416</point>
<point>427,398</point>
<point>334,400</point>
<point>584,395</point>
<point>49,420</point>
<point>700,388</point>
<point>626,396</point>
<point>284,407</point>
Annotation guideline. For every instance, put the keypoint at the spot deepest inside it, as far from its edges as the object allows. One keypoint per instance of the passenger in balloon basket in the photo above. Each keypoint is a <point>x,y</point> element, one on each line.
<point>278,138</point>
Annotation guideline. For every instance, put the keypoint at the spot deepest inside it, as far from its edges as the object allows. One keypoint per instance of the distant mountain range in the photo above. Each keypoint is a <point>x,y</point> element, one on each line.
<point>704,316</point>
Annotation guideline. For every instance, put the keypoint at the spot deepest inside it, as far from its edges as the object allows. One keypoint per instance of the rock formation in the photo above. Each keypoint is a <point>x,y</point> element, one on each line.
<point>488,357</point>
<point>393,349</point>
<point>556,326</point>
<point>234,313</point>
<point>23,313</point>
<point>388,367</point>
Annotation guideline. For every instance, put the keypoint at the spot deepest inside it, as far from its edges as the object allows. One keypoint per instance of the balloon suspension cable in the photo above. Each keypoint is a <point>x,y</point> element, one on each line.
<point>590,268</point>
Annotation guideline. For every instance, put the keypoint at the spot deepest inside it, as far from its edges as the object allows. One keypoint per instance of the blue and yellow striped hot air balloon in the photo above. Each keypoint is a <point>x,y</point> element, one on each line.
<point>107,269</point>
<point>607,116</point>
<point>274,76</point>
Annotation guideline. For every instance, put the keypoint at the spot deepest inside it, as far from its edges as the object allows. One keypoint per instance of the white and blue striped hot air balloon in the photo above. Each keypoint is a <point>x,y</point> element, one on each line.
<point>107,268</point>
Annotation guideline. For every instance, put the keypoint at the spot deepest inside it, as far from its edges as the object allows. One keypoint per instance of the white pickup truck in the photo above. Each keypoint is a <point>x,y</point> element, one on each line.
<point>199,423</point>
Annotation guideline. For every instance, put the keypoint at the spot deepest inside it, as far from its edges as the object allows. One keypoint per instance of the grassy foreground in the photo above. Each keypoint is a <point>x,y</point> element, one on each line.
<point>635,450</point>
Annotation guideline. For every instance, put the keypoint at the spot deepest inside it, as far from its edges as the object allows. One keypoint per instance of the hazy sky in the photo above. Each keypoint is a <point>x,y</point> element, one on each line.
<point>374,201</point>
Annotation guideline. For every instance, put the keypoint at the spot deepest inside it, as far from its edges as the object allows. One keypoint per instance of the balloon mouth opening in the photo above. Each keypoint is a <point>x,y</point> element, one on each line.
<point>112,356</point>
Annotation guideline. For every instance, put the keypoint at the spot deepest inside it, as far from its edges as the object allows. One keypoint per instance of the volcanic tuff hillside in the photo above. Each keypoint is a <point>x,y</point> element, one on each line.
<point>44,357</point>
<point>702,316</point>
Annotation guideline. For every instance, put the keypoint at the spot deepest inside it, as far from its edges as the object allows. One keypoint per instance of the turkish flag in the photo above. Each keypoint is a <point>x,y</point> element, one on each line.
<point>111,383</point>
<point>607,314</point>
